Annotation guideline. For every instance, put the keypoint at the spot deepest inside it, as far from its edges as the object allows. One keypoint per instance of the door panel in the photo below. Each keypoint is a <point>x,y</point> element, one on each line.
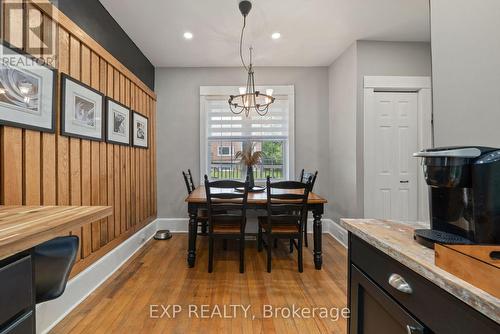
<point>395,139</point>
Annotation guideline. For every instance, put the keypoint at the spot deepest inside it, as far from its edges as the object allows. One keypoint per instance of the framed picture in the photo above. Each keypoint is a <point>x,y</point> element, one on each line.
<point>81,110</point>
<point>27,88</point>
<point>117,122</point>
<point>139,130</point>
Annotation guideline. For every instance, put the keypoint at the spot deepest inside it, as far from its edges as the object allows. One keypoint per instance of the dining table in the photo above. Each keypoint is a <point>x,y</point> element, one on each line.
<point>256,201</point>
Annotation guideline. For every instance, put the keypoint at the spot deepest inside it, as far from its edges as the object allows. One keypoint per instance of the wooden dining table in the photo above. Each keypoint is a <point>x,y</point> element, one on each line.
<point>256,200</point>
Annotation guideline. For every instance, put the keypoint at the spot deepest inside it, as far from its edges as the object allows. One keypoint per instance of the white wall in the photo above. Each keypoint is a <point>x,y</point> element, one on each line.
<point>466,72</point>
<point>384,58</point>
<point>342,76</point>
<point>346,111</point>
<point>178,125</point>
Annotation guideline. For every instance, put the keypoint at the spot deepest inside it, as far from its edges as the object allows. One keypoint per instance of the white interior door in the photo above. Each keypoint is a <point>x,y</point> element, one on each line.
<point>393,134</point>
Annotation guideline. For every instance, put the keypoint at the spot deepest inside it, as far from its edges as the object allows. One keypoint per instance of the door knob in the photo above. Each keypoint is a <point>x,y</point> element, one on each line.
<point>400,284</point>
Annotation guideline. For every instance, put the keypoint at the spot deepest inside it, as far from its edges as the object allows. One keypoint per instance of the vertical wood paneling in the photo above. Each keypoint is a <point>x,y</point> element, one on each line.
<point>128,211</point>
<point>48,142</point>
<point>86,159</point>
<point>137,152</point>
<point>31,168</point>
<point>75,180</point>
<point>31,139</point>
<point>123,171</point>
<point>110,161</point>
<point>132,164</point>
<point>12,138</point>
<point>44,168</point>
<point>62,142</point>
<point>116,161</point>
<point>103,182</point>
<point>95,155</point>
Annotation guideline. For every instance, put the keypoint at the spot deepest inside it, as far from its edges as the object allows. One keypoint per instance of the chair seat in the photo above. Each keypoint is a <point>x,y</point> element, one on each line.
<point>279,227</point>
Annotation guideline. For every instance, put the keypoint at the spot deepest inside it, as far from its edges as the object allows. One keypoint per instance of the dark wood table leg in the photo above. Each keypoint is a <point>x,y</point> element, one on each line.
<point>193,229</point>
<point>318,233</point>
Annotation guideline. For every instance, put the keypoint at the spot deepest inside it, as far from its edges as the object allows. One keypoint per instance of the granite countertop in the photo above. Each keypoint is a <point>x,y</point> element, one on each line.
<point>396,240</point>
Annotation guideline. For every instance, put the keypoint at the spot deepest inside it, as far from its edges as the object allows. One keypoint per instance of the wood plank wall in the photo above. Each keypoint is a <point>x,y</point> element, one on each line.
<point>47,169</point>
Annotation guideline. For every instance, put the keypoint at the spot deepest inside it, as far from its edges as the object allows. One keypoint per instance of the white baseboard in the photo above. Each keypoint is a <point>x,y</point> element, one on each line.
<point>336,231</point>
<point>81,286</point>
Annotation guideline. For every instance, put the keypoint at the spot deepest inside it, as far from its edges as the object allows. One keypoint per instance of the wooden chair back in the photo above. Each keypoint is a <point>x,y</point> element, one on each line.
<point>305,176</point>
<point>188,180</point>
<point>225,204</point>
<point>287,202</point>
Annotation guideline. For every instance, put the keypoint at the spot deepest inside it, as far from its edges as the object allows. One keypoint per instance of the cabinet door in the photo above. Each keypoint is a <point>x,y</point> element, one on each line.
<point>373,311</point>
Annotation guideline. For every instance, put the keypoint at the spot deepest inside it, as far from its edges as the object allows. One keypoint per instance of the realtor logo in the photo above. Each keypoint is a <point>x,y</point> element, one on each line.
<point>30,28</point>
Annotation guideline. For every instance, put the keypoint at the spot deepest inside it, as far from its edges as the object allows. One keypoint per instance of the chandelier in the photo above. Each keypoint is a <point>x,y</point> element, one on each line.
<point>249,98</point>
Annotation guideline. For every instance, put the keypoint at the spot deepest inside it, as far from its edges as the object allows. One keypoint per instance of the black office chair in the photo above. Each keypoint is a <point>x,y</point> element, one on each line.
<point>286,213</point>
<point>226,215</point>
<point>53,261</point>
<point>304,177</point>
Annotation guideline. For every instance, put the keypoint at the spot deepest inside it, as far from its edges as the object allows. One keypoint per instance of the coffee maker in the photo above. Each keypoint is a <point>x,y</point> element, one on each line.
<point>464,195</point>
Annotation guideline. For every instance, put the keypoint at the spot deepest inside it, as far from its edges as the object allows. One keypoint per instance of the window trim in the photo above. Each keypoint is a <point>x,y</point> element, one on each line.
<point>288,90</point>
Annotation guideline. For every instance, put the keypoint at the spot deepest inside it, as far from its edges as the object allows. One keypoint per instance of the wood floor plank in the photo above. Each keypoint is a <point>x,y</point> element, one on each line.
<point>158,275</point>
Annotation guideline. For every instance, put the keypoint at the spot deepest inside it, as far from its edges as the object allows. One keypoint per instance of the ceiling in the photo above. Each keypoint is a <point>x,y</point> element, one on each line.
<point>313,32</point>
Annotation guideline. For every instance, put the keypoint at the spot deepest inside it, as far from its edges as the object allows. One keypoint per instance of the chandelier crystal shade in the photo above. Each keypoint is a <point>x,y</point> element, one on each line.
<point>249,98</point>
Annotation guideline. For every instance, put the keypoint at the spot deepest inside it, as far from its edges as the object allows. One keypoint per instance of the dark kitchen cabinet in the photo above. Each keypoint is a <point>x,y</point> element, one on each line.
<point>387,297</point>
<point>17,301</point>
<point>374,312</point>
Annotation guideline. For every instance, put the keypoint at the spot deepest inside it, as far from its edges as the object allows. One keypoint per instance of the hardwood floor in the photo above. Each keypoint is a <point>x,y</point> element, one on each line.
<point>158,275</point>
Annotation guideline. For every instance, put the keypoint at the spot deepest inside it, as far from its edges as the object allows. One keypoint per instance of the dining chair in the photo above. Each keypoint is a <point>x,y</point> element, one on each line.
<point>188,180</point>
<point>304,177</point>
<point>286,213</point>
<point>202,215</point>
<point>226,215</point>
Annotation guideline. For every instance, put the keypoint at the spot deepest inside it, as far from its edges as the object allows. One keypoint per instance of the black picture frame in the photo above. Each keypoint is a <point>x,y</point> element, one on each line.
<point>42,63</point>
<point>131,113</point>
<point>65,77</point>
<point>132,130</point>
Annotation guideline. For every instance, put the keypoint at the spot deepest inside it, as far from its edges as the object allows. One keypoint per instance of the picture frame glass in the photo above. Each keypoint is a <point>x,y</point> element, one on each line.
<point>118,123</point>
<point>26,91</point>
<point>140,130</point>
<point>82,111</point>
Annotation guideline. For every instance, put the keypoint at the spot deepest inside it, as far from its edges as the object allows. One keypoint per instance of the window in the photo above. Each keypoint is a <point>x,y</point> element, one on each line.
<point>224,151</point>
<point>223,134</point>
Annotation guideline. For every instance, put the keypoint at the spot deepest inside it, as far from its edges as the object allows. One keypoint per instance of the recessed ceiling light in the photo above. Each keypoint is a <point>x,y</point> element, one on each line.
<point>276,35</point>
<point>188,35</point>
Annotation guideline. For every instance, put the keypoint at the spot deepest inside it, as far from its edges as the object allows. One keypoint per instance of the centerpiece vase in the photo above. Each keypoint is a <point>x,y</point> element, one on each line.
<point>250,178</point>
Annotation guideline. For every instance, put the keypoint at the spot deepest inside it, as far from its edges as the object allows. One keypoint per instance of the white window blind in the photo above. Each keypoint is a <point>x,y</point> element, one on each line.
<point>272,134</point>
<point>223,124</point>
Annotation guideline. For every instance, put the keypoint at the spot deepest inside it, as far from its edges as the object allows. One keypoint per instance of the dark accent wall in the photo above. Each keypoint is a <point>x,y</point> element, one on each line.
<point>92,17</point>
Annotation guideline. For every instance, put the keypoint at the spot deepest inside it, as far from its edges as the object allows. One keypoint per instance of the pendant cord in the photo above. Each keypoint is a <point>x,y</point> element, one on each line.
<point>241,42</point>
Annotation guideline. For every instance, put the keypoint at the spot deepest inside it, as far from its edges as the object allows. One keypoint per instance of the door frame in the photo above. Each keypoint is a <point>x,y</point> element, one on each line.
<point>420,85</point>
